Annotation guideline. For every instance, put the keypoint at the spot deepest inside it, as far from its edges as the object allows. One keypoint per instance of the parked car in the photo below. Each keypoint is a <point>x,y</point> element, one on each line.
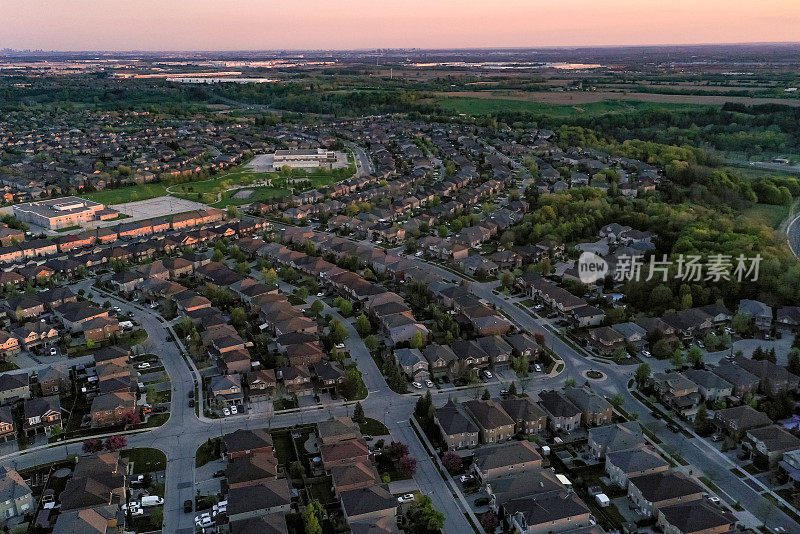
<point>482,501</point>
<point>53,351</point>
<point>537,368</point>
<point>187,506</point>
<point>716,437</point>
<point>487,374</point>
<point>191,403</point>
<point>466,478</point>
<point>673,427</point>
<point>226,411</point>
<point>143,365</point>
<point>429,383</point>
<point>416,385</point>
<point>234,410</point>
<point>646,353</point>
<point>408,497</point>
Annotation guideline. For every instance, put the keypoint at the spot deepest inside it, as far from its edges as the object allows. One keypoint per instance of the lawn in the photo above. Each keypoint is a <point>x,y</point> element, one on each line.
<point>8,366</point>
<point>259,194</point>
<point>283,447</point>
<point>129,193</point>
<point>373,427</point>
<point>145,460</point>
<point>208,452</point>
<point>484,106</point>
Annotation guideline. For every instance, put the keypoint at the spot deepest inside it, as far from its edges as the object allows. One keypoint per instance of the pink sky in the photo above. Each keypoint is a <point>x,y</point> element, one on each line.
<point>343,24</point>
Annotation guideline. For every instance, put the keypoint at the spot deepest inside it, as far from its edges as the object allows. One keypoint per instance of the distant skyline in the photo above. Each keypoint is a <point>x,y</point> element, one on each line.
<point>175,25</point>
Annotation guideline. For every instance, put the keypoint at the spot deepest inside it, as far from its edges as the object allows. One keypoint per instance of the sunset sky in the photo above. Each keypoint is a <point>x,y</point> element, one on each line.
<point>348,24</point>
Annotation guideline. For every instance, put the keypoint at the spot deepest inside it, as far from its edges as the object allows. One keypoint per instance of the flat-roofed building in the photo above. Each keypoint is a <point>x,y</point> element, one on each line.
<point>58,213</point>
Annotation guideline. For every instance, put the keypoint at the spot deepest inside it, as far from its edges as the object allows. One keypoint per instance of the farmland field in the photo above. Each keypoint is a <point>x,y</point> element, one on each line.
<point>573,98</point>
<point>482,106</point>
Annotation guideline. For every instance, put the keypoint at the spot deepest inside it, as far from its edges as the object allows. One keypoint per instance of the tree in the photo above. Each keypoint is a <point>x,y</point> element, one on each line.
<point>507,280</point>
<point>316,307</point>
<point>312,516</point>
<point>452,462</point>
<point>743,324</point>
<point>570,383</point>
<point>338,333</point>
<point>520,364</point>
<point>758,353</point>
<point>512,389</point>
<point>662,349</point>
<point>358,414</point>
<point>702,425</point>
<point>677,360</point>
<point>297,470</point>
<point>92,445</point>
<point>363,326</point>
<point>696,356</point>
<point>423,517</point>
<point>490,521</point>
<point>417,340</point>
<point>238,317</point>
<point>423,406</point>
<point>539,338</point>
<point>130,418</point>
<point>486,395</point>
<point>397,449</point>
<point>794,362</point>
<point>616,400</point>
<point>233,212</point>
<point>344,305</point>
<point>218,255</point>
<point>619,355</point>
<point>372,343</point>
<point>115,443</point>
<point>642,375</point>
<point>270,276</point>
<point>407,465</point>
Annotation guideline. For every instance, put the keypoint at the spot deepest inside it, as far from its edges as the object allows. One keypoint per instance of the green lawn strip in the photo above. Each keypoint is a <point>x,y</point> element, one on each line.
<point>208,452</point>
<point>145,459</point>
<point>785,509</point>
<point>373,427</point>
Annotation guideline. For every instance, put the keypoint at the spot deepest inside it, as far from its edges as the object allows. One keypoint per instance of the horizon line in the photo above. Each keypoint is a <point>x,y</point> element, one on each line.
<point>402,48</point>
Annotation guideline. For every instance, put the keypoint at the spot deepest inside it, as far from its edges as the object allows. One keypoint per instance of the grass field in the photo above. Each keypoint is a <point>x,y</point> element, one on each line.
<point>259,193</point>
<point>482,106</point>
<point>767,214</point>
<point>129,193</point>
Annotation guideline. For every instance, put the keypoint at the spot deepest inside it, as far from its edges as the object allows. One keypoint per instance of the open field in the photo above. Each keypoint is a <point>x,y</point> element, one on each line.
<point>129,193</point>
<point>585,97</point>
<point>481,106</point>
<point>230,198</point>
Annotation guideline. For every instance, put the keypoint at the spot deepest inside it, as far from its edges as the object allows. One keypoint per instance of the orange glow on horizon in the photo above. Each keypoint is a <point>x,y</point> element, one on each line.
<point>350,24</point>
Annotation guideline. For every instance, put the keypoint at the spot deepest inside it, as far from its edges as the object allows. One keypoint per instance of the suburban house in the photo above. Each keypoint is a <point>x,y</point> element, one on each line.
<point>738,420</point>
<point>769,443</point>
<point>504,458</point>
<point>458,430</point>
<point>654,491</point>
<point>640,460</point>
<point>615,437</point>
<point>528,417</point>
<point>561,412</point>
<point>494,423</point>
<point>595,409</point>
